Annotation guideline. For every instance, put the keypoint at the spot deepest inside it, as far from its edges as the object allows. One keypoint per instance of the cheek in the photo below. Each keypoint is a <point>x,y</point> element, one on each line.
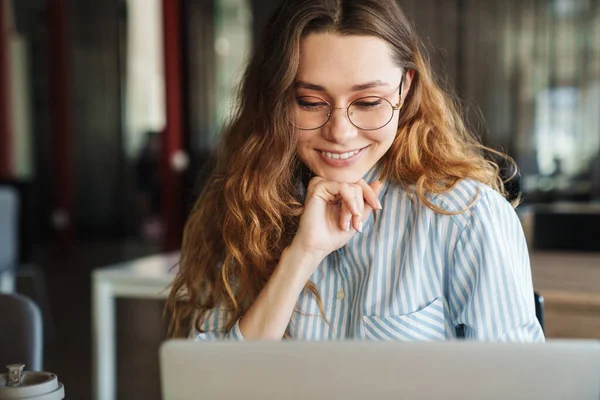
<point>306,140</point>
<point>384,136</point>
<point>304,145</point>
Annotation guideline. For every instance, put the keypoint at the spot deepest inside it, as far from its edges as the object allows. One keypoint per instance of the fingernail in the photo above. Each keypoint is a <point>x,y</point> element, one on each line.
<point>379,206</point>
<point>360,226</point>
<point>347,226</point>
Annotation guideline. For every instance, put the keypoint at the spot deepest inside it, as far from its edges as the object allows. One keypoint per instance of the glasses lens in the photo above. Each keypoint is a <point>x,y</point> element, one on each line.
<point>310,112</point>
<point>370,113</point>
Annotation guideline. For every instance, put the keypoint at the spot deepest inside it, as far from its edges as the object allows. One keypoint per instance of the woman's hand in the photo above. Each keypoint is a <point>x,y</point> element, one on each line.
<point>333,212</point>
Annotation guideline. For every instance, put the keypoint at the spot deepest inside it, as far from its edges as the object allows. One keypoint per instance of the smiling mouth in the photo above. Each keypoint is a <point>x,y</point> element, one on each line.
<point>341,156</point>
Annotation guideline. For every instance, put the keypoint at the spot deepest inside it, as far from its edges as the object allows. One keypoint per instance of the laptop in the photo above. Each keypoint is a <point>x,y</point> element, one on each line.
<point>298,370</point>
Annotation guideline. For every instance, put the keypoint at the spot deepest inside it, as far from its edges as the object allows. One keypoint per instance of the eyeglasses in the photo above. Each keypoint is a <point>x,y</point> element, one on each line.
<point>366,113</point>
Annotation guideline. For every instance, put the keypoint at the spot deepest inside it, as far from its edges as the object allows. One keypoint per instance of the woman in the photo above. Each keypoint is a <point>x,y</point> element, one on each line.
<point>338,116</point>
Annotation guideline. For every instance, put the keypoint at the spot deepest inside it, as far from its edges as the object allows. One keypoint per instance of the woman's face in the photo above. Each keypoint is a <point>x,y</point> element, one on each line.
<point>340,69</point>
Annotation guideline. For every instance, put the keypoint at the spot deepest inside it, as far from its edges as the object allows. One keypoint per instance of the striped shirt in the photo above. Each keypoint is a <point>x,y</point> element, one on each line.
<point>414,274</point>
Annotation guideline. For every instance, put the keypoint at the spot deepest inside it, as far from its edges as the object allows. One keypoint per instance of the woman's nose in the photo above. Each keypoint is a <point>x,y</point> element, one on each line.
<point>339,129</point>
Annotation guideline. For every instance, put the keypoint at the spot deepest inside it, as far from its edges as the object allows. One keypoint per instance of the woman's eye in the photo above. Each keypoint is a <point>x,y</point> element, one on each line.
<point>311,104</point>
<point>368,104</point>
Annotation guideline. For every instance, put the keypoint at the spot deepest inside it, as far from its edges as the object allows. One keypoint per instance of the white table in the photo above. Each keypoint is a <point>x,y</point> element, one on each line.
<point>553,274</point>
<point>146,278</point>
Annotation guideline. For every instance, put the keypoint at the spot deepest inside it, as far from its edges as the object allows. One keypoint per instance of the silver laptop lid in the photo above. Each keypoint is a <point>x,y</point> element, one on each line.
<point>375,370</point>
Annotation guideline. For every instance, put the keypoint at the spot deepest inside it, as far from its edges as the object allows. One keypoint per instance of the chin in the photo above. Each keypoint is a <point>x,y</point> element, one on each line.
<point>344,175</point>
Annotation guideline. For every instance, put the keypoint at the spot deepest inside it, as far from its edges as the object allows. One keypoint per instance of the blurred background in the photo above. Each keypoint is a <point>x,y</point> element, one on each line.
<point>110,111</point>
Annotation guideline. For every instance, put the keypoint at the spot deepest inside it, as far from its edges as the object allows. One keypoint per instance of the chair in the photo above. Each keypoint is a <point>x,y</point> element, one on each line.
<point>9,211</point>
<point>12,211</point>
<point>21,332</point>
<point>539,308</point>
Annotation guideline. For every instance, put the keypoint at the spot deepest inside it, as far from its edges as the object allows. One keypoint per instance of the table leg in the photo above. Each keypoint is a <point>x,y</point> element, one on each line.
<point>103,341</point>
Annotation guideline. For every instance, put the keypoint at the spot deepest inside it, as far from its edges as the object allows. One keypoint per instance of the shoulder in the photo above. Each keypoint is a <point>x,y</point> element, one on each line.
<point>463,196</point>
<point>473,202</point>
<point>468,199</point>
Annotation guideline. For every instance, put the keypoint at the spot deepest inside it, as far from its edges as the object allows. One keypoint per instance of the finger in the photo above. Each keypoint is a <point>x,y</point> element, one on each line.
<point>358,195</point>
<point>374,189</point>
<point>357,222</point>
<point>345,217</point>
<point>332,192</point>
<point>371,192</point>
<point>377,186</point>
<point>320,188</point>
<point>349,197</point>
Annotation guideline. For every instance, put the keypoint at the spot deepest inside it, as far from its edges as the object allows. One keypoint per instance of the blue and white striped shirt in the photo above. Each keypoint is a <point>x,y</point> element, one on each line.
<point>414,274</point>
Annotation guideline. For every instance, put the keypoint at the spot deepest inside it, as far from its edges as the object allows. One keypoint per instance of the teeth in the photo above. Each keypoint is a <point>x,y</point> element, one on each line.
<point>342,156</point>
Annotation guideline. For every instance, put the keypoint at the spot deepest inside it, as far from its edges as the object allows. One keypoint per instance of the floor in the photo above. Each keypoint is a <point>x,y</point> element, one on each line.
<point>67,353</point>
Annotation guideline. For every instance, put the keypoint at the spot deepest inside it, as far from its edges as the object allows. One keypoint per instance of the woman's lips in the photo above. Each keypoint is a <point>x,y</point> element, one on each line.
<point>339,162</point>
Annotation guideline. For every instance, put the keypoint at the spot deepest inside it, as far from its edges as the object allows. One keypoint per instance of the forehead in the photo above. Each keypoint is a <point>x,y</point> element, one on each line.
<point>338,62</point>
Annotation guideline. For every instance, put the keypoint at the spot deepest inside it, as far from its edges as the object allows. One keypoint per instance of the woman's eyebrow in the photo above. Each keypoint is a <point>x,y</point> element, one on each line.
<point>368,85</point>
<point>355,88</point>
<point>310,86</point>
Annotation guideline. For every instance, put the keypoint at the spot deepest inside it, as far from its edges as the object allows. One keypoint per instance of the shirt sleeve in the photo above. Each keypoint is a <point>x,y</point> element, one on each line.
<point>213,327</point>
<point>491,290</point>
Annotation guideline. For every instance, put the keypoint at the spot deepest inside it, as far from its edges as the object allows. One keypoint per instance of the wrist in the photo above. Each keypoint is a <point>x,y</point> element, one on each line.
<point>306,261</point>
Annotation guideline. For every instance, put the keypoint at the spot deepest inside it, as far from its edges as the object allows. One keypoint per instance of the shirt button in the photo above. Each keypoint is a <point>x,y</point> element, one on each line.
<point>340,294</point>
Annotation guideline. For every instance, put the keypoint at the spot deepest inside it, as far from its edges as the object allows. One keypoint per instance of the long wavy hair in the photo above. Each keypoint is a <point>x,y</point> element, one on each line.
<point>249,209</point>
